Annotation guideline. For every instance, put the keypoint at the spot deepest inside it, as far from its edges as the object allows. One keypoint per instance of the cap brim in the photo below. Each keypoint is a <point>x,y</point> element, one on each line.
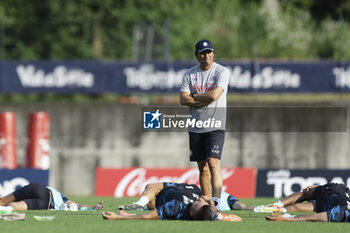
<point>199,51</point>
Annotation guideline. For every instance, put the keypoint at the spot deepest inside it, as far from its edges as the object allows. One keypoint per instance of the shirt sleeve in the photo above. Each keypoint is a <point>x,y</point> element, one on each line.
<point>223,79</point>
<point>185,85</point>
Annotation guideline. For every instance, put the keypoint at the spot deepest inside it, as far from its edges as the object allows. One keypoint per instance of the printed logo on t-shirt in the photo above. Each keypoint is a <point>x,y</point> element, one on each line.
<point>200,89</point>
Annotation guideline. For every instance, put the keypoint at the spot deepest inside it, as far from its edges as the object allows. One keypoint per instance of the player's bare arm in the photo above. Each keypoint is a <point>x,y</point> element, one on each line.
<point>187,99</point>
<point>210,96</point>
<point>320,217</point>
<point>201,99</point>
<point>98,206</point>
<point>240,206</point>
<point>152,215</point>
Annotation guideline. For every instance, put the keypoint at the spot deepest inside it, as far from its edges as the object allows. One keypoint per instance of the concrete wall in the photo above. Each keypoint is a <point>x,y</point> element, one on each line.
<point>84,136</point>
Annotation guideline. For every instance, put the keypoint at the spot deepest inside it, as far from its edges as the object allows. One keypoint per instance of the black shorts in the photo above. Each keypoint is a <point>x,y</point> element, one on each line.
<point>185,189</point>
<point>205,145</point>
<point>330,188</point>
<point>36,196</point>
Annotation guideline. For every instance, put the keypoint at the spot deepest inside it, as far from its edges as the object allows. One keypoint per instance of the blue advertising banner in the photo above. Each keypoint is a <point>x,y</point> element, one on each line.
<point>10,180</point>
<point>93,77</point>
<point>279,183</point>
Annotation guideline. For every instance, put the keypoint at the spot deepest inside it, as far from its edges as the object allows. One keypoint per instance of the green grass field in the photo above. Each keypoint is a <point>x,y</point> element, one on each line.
<point>91,221</point>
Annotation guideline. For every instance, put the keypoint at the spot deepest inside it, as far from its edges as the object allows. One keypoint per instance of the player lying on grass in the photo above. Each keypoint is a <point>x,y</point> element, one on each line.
<point>331,203</point>
<point>36,196</point>
<point>146,201</point>
<point>177,202</point>
<point>305,201</point>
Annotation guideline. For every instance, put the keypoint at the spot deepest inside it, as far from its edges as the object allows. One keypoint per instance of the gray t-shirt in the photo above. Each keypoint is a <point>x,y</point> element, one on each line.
<point>211,117</point>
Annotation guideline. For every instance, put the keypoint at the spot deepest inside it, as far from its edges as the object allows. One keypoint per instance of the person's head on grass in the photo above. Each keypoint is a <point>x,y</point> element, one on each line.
<point>202,209</point>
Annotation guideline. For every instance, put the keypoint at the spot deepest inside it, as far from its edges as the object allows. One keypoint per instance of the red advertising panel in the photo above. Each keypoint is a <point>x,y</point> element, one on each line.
<point>8,141</point>
<point>130,182</point>
<point>38,147</point>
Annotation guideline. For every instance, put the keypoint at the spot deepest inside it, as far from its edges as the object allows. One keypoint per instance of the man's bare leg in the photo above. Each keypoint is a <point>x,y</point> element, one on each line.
<point>147,197</point>
<point>151,190</point>
<point>205,178</point>
<point>293,199</point>
<point>300,207</point>
<point>298,197</point>
<point>4,201</point>
<point>18,205</point>
<point>10,200</point>
<point>216,179</point>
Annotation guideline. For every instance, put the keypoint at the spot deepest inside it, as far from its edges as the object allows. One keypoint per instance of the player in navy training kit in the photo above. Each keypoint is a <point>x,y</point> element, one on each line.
<point>35,196</point>
<point>175,202</point>
<point>331,202</point>
<point>146,201</point>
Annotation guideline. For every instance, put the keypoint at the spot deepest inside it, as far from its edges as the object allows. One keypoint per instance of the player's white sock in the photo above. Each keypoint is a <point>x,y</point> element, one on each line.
<point>217,202</point>
<point>219,217</point>
<point>142,201</point>
<point>279,204</point>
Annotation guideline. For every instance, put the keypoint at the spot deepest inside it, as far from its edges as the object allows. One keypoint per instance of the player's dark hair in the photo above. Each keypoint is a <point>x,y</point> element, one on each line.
<point>203,214</point>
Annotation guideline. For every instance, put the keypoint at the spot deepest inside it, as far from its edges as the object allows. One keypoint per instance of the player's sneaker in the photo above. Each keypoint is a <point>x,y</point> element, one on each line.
<point>278,209</point>
<point>132,206</point>
<point>269,209</point>
<point>229,218</point>
<point>5,210</point>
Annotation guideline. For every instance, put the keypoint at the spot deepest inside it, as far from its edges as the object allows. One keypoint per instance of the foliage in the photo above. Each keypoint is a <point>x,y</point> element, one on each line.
<point>137,30</point>
<point>104,29</point>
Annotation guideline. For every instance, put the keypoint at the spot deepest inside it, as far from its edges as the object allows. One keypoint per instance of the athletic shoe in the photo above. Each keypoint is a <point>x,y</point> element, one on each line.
<point>5,210</point>
<point>278,209</point>
<point>132,206</point>
<point>269,209</point>
<point>229,217</point>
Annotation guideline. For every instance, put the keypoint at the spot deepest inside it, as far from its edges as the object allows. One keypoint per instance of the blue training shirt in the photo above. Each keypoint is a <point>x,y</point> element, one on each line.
<point>174,200</point>
<point>337,209</point>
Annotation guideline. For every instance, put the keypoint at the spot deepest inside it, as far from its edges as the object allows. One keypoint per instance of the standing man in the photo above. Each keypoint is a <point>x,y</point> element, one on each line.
<point>204,90</point>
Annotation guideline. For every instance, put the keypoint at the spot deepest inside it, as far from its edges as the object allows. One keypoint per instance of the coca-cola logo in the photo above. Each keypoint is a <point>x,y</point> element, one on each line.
<point>134,182</point>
